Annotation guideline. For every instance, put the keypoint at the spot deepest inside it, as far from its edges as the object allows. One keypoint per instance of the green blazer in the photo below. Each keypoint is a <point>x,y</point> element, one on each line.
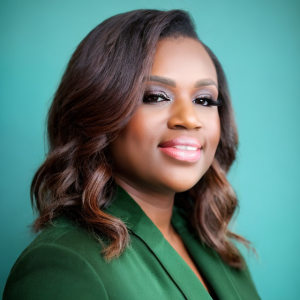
<point>63,262</point>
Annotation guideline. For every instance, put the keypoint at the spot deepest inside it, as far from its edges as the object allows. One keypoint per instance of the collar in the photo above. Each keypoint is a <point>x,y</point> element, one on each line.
<point>209,263</point>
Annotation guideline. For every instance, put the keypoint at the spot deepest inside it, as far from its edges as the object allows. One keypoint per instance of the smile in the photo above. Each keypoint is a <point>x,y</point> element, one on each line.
<point>190,148</point>
<point>182,148</point>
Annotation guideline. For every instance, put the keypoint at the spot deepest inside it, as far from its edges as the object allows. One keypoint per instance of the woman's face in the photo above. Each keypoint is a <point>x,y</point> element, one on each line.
<point>171,140</point>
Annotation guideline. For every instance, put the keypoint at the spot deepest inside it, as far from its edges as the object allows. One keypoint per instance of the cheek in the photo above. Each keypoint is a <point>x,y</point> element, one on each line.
<point>144,129</point>
<point>128,149</point>
<point>137,132</point>
<point>213,133</point>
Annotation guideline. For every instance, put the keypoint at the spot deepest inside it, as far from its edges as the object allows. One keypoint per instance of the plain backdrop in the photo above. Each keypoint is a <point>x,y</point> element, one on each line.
<point>258,44</point>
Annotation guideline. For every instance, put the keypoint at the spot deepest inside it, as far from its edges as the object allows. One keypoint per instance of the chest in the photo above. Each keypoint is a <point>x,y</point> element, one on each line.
<point>140,274</point>
<point>158,272</point>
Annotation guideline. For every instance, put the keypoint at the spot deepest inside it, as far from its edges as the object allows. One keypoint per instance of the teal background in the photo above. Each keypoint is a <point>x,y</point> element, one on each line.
<point>258,44</point>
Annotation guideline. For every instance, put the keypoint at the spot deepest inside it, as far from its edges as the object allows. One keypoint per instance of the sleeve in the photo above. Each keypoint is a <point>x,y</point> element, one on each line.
<point>53,272</point>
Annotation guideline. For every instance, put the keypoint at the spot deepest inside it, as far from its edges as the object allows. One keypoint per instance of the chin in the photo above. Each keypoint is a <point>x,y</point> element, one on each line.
<point>181,185</point>
<point>181,180</point>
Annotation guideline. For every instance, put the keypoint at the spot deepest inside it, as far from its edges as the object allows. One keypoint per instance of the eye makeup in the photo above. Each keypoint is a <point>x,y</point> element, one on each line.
<point>155,97</point>
<point>207,101</point>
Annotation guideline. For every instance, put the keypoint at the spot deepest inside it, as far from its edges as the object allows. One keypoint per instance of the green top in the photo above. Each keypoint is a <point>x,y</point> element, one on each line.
<point>63,262</point>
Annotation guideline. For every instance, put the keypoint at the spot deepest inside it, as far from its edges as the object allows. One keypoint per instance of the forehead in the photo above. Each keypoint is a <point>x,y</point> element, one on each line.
<point>183,59</point>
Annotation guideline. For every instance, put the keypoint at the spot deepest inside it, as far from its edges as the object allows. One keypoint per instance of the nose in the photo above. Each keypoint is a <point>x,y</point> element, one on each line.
<point>184,115</point>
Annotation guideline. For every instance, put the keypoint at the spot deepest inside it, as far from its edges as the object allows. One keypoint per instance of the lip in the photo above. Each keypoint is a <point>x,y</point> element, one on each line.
<point>181,141</point>
<point>168,148</point>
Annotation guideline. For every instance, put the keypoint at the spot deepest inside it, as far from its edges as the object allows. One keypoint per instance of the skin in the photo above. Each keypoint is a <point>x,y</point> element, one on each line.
<point>183,71</point>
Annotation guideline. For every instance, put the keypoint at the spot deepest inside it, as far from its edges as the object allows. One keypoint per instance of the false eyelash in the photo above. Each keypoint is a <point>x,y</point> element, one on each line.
<point>218,102</point>
<point>158,94</point>
<point>211,102</point>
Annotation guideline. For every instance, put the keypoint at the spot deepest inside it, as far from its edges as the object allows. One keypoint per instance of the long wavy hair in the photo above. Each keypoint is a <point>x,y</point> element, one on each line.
<point>100,90</point>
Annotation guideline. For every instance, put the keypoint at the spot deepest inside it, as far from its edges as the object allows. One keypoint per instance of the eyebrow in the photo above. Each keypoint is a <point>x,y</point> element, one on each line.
<point>205,82</point>
<point>172,83</point>
<point>163,80</point>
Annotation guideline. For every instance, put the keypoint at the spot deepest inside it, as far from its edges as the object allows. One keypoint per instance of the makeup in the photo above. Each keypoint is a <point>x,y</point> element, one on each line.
<point>157,97</point>
<point>182,148</point>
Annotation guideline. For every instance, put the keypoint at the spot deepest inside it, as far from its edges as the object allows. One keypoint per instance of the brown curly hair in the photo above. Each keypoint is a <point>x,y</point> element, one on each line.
<point>98,93</point>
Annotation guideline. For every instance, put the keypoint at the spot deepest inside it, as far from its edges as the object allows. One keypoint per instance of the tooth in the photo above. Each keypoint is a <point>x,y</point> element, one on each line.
<point>182,147</point>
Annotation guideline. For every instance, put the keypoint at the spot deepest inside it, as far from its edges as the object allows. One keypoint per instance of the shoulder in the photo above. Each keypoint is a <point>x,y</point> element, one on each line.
<point>65,236</point>
<point>58,263</point>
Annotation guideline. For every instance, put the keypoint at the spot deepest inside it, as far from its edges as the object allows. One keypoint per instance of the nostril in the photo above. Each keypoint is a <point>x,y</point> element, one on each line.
<point>184,116</point>
<point>179,127</point>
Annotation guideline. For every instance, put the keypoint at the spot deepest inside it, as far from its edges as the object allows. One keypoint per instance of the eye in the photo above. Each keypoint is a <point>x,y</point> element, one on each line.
<point>206,101</point>
<point>151,97</point>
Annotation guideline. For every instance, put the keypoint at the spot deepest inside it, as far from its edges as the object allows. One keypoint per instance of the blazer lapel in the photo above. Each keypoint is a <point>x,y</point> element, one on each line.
<point>125,208</point>
<point>209,262</point>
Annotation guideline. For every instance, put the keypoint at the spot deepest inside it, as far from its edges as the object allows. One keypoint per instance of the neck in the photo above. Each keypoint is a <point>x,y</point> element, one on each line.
<point>158,207</point>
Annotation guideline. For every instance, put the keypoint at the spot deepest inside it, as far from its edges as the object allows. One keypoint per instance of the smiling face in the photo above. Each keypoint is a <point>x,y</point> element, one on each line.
<point>171,140</point>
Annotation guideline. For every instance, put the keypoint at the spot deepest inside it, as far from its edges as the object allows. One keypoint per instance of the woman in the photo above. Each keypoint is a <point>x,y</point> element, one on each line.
<point>141,120</point>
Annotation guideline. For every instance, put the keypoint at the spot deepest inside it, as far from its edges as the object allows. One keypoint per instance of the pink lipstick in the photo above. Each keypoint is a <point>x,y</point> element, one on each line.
<point>182,148</point>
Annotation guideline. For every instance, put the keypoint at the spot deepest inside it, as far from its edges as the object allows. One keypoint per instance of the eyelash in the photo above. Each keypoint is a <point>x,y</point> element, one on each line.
<point>208,100</point>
